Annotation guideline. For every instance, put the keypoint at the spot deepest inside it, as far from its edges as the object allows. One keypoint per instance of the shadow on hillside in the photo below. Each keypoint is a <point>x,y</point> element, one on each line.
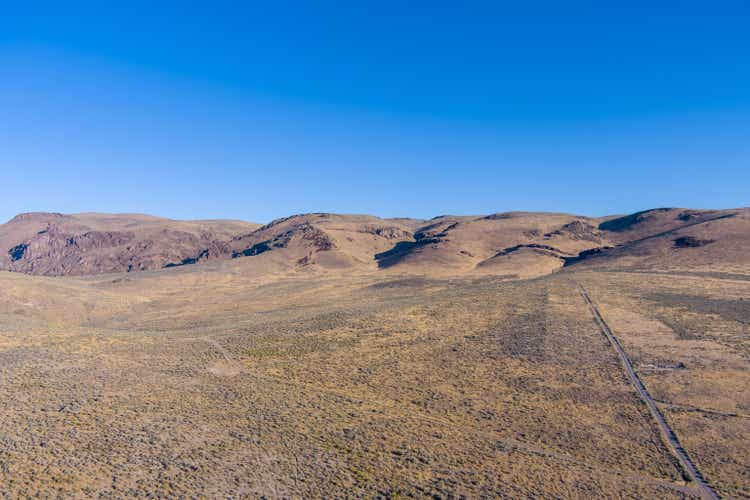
<point>395,254</point>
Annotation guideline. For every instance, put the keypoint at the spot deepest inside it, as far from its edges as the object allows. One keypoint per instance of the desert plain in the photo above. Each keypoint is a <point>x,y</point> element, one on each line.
<point>327,356</point>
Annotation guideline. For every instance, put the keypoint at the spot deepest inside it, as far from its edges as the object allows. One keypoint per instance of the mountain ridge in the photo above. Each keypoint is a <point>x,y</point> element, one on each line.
<point>521,244</point>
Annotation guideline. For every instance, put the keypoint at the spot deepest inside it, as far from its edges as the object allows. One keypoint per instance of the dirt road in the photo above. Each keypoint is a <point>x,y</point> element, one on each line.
<point>668,434</point>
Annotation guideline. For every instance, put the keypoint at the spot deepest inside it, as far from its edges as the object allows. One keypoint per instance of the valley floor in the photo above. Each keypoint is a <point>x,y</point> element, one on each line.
<point>205,384</point>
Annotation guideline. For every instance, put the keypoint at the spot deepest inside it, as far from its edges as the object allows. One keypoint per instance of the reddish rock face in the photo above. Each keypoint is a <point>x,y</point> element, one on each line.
<point>56,244</point>
<point>55,251</point>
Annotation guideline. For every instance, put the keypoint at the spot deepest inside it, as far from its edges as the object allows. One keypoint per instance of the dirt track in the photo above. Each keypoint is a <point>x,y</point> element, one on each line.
<point>668,434</point>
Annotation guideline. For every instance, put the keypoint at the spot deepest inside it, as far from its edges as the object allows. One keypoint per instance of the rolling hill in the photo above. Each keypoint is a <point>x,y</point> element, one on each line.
<point>671,238</point>
<point>512,244</point>
<point>55,244</point>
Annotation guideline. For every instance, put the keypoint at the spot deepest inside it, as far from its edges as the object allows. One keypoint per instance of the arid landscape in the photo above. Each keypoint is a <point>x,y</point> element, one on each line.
<point>326,355</point>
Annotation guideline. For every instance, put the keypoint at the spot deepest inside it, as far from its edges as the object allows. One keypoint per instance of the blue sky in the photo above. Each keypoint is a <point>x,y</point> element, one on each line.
<point>241,110</point>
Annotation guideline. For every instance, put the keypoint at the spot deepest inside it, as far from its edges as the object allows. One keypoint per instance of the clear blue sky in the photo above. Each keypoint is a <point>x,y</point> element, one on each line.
<point>243,110</point>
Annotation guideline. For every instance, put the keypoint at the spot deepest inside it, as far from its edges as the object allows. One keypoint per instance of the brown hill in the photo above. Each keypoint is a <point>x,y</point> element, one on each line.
<point>329,241</point>
<point>514,244</point>
<point>56,244</point>
<point>519,244</point>
<point>675,238</point>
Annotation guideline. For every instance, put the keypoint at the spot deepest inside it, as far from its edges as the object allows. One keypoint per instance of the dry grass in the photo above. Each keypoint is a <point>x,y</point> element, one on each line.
<point>204,383</point>
<point>688,335</point>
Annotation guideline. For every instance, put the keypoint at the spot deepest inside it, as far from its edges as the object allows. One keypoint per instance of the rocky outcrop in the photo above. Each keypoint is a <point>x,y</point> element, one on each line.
<point>577,230</point>
<point>55,244</point>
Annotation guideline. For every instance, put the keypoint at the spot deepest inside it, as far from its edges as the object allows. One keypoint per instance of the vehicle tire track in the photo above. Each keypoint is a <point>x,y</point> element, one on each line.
<point>667,433</point>
<point>708,411</point>
<point>232,367</point>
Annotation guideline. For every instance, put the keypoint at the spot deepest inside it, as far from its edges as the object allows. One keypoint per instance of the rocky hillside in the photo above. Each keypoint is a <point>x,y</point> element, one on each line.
<point>675,238</point>
<point>55,244</point>
<point>514,244</point>
<point>328,241</point>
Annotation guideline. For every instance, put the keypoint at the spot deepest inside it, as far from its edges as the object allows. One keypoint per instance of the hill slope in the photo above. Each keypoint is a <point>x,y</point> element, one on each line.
<point>56,244</point>
<point>672,238</point>
<point>513,244</point>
